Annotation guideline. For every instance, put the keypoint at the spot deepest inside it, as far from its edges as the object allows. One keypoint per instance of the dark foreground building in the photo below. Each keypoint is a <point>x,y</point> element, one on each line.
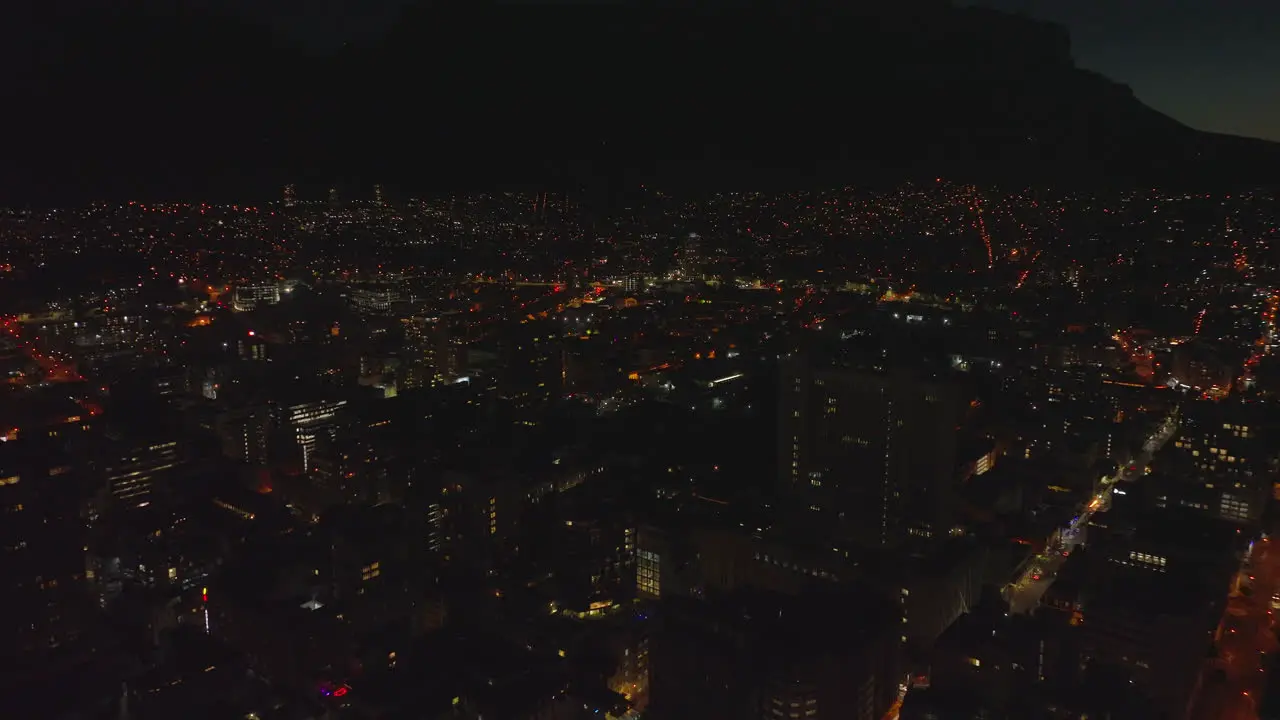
<point>760,656</point>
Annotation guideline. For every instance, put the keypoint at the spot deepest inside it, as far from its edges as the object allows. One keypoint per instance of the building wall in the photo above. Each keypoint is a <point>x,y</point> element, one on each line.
<point>870,454</point>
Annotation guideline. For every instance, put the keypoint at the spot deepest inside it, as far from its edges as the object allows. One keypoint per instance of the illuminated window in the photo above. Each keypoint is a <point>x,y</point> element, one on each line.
<point>648,573</point>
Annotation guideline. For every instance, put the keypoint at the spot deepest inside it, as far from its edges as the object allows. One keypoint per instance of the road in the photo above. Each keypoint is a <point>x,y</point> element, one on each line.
<point>1267,340</point>
<point>1234,680</point>
<point>54,369</point>
<point>1025,594</point>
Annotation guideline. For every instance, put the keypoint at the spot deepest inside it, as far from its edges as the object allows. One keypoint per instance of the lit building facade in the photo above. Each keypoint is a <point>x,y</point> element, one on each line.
<point>306,422</point>
<point>248,297</point>
<point>375,298</point>
<point>1222,450</point>
<point>134,474</point>
<point>691,260</point>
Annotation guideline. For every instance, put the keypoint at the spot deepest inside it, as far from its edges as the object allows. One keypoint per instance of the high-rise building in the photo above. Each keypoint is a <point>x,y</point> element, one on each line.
<point>137,470</point>
<point>535,367</point>
<point>868,453</point>
<point>42,538</point>
<point>245,434</point>
<point>377,195</point>
<point>307,422</point>
<point>691,257</point>
<point>432,358</point>
<point>333,196</point>
<point>290,195</point>
<point>1222,462</point>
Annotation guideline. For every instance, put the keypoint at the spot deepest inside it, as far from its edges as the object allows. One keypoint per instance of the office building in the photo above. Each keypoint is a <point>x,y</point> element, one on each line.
<point>1222,459</point>
<point>375,297</point>
<point>248,297</point>
<point>136,471</point>
<point>306,423</point>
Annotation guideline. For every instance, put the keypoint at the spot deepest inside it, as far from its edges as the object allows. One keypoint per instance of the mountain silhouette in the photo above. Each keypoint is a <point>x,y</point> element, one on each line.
<point>140,100</point>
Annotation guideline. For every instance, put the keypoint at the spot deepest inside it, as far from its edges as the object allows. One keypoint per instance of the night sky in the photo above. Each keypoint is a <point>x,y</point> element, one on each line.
<point>1212,64</point>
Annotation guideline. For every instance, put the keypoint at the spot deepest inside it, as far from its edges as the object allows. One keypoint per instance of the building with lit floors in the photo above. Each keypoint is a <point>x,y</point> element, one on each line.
<point>305,423</point>
<point>251,347</point>
<point>868,452</point>
<point>431,357</point>
<point>244,433</point>
<point>42,540</point>
<point>758,656</point>
<point>472,517</point>
<point>690,261</point>
<point>247,297</point>
<point>137,470</point>
<point>1223,458</point>
<point>376,297</point>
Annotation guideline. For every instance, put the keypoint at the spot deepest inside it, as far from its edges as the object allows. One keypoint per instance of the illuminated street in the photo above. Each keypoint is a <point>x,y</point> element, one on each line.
<point>1025,594</point>
<point>1233,682</point>
<point>52,369</point>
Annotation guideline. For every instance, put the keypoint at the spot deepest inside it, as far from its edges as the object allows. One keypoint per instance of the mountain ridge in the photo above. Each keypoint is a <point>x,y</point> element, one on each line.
<point>507,94</point>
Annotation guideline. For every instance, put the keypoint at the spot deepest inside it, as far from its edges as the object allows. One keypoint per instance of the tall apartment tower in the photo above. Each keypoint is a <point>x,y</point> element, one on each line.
<point>377,195</point>
<point>333,196</point>
<point>691,257</point>
<point>867,454</point>
<point>290,195</point>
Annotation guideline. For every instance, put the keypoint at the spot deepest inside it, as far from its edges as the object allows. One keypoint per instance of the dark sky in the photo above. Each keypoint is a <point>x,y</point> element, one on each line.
<point>1212,64</point>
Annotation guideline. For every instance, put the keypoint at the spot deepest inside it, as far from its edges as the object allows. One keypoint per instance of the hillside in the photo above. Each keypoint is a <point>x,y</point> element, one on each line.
<point>484,94</point>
